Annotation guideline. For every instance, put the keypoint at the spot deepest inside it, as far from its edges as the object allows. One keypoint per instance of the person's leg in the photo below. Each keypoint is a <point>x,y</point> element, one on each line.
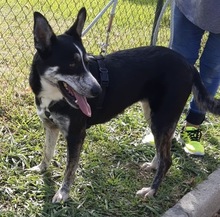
<point>186,37</point>
<point>210,75</point>
<point>210,64</point>
<point>187,41</point>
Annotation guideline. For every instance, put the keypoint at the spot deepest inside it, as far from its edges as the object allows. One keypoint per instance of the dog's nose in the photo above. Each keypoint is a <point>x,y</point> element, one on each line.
<point>96,90</point>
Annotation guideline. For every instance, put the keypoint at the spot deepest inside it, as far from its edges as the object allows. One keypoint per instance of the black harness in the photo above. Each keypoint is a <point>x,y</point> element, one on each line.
<point>104,79</point>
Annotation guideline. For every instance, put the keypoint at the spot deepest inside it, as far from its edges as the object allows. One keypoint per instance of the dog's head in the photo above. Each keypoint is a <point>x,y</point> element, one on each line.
<point>62,62</point>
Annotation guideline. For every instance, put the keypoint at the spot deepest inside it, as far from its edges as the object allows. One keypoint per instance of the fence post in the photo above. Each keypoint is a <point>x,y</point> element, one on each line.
<point>157,14</point>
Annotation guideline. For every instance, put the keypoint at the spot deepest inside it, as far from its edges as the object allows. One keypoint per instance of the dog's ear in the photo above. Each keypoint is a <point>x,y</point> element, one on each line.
<point>43,33</point>
<point>76,29</point>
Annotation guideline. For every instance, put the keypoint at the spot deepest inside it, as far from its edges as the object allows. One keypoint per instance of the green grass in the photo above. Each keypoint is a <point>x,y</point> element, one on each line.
<point>108,175</point>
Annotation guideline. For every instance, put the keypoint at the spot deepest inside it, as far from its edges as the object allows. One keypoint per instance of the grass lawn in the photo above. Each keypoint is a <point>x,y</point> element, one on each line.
<point>108,175</point>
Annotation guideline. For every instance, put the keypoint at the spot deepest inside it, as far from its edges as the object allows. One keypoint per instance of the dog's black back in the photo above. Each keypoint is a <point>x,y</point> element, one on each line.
<point>138,74</point>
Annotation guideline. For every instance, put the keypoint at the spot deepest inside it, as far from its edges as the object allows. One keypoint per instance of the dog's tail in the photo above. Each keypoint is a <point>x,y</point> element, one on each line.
<point>203,98</point>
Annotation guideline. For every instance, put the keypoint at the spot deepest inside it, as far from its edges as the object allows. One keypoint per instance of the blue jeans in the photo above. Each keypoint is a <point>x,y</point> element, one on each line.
<point>187,41</point>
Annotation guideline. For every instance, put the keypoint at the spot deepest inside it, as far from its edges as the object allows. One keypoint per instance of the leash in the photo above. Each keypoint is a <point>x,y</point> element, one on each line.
<point>104,79</point>
<point>112,14</point>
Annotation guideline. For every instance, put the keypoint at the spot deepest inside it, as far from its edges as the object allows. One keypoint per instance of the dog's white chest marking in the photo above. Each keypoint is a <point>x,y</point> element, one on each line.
<point>51,93</point>
<point>43,108</point>
<point>48,94</point>
<point>49,90</point>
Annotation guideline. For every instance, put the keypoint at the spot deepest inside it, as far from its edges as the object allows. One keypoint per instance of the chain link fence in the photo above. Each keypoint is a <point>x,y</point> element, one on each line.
<point>132,26</point>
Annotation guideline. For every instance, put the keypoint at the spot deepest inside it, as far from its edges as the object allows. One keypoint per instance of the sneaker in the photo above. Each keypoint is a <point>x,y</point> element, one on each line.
<point>191,138</point>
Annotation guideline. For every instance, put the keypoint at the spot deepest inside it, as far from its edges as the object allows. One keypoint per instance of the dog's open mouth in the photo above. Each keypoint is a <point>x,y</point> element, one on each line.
<point>75,99</point>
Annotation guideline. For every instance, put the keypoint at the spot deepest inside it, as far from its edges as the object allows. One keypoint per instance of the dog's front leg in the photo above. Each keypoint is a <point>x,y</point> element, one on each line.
<point>50,142</point>
<point>74,145</point>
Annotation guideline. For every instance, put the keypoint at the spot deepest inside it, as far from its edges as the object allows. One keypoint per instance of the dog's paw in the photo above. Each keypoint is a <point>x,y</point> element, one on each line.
<point>148,166</point>
<point>39,168</point>
<point>60,196</point>
<point>146,192</point>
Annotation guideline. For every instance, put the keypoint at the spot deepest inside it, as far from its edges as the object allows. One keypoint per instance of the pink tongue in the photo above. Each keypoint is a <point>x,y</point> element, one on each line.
<point>83,104</point>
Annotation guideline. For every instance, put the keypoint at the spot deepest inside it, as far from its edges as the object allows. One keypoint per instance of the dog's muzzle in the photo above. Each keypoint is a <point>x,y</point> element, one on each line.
<point>77,100</point>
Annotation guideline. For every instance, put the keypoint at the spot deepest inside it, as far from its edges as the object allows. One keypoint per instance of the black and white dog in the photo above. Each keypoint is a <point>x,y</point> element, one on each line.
<point>66,83</point>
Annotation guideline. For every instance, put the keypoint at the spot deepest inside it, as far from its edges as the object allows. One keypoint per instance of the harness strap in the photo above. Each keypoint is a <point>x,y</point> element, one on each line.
<point>104,80</point>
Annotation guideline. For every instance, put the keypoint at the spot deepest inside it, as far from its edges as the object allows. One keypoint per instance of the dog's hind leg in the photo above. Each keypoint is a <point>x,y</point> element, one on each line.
<point>74,145</point>
<point>148,138</point>
<point>153,165</point>
<point>146,109</point>
<point>50,142</point>
<point>166,109</point>
<point>161,162</point>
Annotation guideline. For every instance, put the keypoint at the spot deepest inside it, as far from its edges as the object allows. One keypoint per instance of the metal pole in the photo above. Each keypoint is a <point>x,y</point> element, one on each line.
<point>157,14</point>
<point>112,14</point>
<point>156,30</point>
<point>97,17</point>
